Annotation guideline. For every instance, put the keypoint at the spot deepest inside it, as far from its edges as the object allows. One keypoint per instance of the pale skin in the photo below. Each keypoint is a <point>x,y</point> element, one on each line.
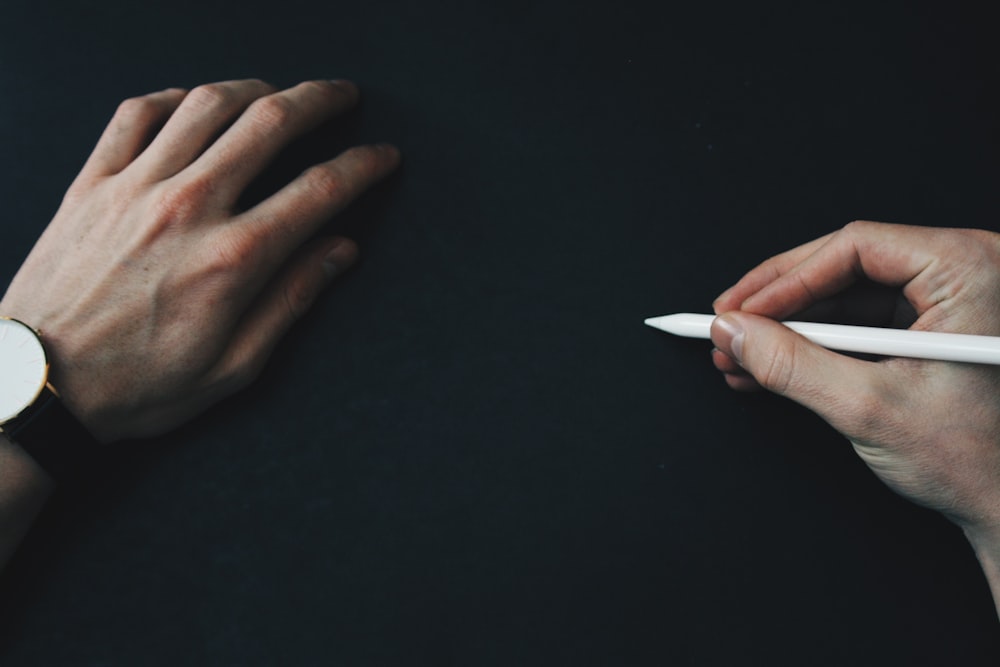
<point>155,295</point>
<point>930,430</point>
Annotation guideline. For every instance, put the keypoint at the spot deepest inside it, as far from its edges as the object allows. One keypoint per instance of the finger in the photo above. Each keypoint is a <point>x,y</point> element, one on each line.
<point>266,127</point>
<point>888,254</point>
<point>765,273</point>
<point>284,221</point>
<point>735,376</point>
<point>284,302</point>
<point>864,303</point>
<point>742,382</point>
<point>725,363</point>
<point>130,131</point>
<point>840,389</point>
<point>198,120</point>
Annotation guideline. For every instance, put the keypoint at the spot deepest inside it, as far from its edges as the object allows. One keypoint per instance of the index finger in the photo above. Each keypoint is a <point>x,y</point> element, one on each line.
<point>765,273</point>
<point>889,254</point>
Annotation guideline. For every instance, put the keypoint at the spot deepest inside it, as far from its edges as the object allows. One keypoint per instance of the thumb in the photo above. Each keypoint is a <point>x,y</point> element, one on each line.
<point>784,362</point>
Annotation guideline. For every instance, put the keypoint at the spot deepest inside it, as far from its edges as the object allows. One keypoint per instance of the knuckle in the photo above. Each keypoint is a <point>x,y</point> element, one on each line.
<point>231,252</point>
<point>210,96</point>
<point>137,109</point>
<point>324,181</point>
<point>982,245</point>
<point>857,228</point>
<point>273,111</point>
<point>182,202</point>
<point>987,238</point>
<point>779,370</point>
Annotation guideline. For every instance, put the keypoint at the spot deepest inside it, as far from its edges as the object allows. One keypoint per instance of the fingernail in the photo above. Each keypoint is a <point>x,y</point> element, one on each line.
<point>730,337</point>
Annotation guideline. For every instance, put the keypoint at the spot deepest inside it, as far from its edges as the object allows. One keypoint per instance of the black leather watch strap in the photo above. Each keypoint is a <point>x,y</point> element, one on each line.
<point>53,437</point>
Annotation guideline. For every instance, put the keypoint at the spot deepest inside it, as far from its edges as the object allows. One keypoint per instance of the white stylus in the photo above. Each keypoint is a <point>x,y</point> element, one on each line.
<point>873,340</point>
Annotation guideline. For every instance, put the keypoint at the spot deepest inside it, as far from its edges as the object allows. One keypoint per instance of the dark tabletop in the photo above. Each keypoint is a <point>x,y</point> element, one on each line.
<point>473,452</point>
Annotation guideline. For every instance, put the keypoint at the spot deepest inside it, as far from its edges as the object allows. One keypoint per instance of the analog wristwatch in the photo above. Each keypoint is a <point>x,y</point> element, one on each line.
<point>31,413</point>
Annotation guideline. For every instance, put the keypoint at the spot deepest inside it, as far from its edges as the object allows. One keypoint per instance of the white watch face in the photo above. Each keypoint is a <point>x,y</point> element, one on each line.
<point>24,368</point>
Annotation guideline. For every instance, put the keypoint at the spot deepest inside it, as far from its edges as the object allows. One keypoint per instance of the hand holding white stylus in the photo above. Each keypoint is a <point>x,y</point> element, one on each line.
<point>928,429</point>
<point>966,348</point>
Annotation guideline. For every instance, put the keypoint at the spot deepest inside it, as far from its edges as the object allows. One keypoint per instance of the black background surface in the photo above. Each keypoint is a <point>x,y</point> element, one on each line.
<point>472,452</point>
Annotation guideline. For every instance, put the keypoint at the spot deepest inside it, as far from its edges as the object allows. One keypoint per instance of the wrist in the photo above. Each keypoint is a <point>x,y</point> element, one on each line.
<point>31,413</point>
